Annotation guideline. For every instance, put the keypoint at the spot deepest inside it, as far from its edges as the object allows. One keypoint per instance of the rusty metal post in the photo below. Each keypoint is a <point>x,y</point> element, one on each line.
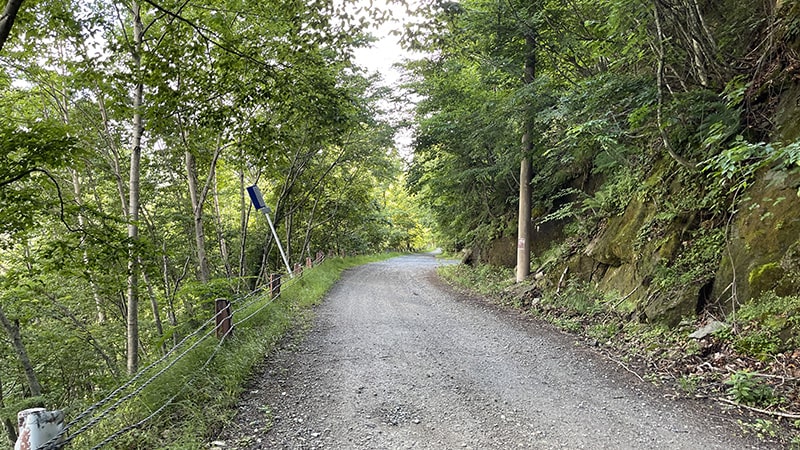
<point>37,426</point>
<point>274,285</point>
<point>224,318</point>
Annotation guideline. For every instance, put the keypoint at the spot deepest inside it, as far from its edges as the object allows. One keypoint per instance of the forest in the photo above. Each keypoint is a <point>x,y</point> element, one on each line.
<point>657,135</point>
<point>129,132</point>
<point>660,145</point>
<point>657,138</point>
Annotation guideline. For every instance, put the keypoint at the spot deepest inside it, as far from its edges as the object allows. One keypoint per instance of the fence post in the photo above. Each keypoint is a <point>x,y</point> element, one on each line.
<point>274,285</point>
<point>309,262</point>
<point>224,317</point>
<point>298,269</point>
<point>37,426</point>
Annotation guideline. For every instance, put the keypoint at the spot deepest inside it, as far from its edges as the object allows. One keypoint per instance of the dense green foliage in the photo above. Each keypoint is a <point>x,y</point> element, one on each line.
<point>666,176</point>
<point>622,90</point>
<point>109,198</point>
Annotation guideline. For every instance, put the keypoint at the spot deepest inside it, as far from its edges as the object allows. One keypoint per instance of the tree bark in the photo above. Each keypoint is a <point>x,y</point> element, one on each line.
<point>76,185</point>
<point>169,292</point>
<point>12,329</point>
<point>11,430</point>
<point>153,302</point>
<point>310,226</point>
<point>244,218</point>
<point>133,202</point>
<point>7,19</point>
<point>197,215</point>
<point>198,198</point>
<point>524,218</point>
<point>223,245</point>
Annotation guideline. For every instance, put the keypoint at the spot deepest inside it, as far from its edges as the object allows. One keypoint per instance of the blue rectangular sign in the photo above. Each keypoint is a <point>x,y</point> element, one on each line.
<point>256,197</point>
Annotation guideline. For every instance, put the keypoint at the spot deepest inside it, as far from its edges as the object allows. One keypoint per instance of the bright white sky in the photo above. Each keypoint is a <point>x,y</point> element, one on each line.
<point>386,51</point>
<point>383,55</point>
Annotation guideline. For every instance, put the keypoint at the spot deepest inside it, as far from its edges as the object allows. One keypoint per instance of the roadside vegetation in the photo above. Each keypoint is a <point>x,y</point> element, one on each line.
<point>751,362</point>
<point>130,133</point>
<point>197,396</point>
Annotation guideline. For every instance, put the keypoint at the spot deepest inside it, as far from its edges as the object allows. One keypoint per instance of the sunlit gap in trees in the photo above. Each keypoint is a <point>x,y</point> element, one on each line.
<point>384,57</point>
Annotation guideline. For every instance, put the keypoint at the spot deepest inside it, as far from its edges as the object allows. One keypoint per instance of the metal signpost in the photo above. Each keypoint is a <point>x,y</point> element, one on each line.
<point>258,203</point>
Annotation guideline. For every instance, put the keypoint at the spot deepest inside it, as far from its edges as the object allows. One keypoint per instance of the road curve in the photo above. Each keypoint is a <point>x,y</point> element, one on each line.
<point>395,359</point>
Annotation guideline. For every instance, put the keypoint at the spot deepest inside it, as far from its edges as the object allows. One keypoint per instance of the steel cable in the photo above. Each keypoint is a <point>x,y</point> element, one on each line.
<point>56,444</point>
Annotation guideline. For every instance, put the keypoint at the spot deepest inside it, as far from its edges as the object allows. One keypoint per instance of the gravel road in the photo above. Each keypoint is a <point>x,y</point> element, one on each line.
<point>396,359</point>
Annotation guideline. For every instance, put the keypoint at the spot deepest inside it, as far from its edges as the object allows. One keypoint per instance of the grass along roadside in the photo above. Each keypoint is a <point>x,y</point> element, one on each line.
<point>198,394</point>
<point>752,363</point>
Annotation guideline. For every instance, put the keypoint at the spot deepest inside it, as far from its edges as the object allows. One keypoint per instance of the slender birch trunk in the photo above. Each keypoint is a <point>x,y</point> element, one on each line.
<point>197,216</point>
<point>223,245</point>
<point>244,218</point>
<point>133,201</point>
<point>76,186</point>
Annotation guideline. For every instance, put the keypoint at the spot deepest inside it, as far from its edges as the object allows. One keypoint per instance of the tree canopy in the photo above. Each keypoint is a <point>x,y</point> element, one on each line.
<point>129,132</point>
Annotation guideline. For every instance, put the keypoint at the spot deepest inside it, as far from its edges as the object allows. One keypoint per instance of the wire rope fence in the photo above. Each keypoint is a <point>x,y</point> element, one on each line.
<point>250,304</point>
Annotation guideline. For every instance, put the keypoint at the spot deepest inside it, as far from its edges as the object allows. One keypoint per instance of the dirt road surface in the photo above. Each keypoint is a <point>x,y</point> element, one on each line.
<point>396,359</point>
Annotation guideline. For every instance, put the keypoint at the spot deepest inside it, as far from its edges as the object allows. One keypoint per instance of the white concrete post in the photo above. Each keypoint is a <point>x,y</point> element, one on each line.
<point>37,426</point>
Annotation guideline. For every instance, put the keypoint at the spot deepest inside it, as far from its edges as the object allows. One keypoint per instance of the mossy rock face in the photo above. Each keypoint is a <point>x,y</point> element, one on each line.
<point>615,244</point>
<point>630,268</point>
<point>763,248</point>
<point>627,281</point>
<point>502,252</point>
<point>497,252</point>
<point>543,236</point>
<point>764,278</point>
<point>584,268</point>
<point>789,284</point>
<point>670,308</point>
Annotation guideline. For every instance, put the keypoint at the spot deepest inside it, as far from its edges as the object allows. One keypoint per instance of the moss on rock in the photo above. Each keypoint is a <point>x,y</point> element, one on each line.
<point>765,277</point>
<point>763,244</point>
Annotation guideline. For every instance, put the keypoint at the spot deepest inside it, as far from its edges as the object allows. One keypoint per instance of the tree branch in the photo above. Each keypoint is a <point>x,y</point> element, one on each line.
<point>206,34</point>
<point>7,19</point>
<point>660,95</point>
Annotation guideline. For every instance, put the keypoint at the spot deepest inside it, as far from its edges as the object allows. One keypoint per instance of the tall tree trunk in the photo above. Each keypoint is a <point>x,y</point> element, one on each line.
<point>197,215</point>
<point>524,218</point>
<point>169,292</point>
<point>309,227</point>
<point>76,185</point>
<point>244,207</point>
<point>133,202</point>
<point>223,245</point>
<point>153,302</point>
<point>12,329</point>
<point>289,230</point>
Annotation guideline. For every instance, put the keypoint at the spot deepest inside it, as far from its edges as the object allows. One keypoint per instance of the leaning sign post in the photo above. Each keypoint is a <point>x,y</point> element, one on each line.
<point>258,203</point>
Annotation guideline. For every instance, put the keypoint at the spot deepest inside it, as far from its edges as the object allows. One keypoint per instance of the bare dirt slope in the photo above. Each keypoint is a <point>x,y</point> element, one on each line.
<point>395,359</point>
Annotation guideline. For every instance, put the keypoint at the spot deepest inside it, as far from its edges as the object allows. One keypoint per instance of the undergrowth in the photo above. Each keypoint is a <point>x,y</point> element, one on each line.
<point>207,393</point>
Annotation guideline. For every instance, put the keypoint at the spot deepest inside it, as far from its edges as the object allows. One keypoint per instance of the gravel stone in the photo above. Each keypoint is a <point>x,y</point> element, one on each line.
<point>396,359</point>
